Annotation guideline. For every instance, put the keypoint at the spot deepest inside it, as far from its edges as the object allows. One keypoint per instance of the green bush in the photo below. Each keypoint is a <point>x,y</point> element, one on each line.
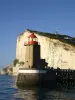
<point>21,63</point>
<point>16,61</point>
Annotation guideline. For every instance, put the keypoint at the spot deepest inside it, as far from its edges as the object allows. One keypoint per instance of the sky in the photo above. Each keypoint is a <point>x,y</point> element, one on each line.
<point>42,15</point>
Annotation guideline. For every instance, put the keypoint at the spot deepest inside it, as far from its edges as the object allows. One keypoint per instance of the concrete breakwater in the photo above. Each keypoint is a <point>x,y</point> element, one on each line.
<point>35,77</point>
<point>45,77</point>
<point>65,76</point>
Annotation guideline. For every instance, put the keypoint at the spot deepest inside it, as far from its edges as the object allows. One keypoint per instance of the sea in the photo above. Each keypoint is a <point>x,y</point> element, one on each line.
<point>9,91</point>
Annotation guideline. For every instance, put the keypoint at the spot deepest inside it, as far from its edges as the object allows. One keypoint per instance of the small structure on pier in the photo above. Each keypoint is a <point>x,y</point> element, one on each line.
<point>32,55</point>
<point>34,72</point>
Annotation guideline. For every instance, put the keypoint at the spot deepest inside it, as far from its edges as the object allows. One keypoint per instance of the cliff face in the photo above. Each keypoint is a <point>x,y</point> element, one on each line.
<point>55,52</point>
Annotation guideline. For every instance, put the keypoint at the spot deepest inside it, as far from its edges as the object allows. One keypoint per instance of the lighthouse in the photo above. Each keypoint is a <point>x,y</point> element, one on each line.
<point>32,54</point>
<point>34,73</point>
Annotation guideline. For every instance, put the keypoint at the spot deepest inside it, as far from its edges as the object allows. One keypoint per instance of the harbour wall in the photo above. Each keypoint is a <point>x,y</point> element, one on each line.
<point>49,77</point>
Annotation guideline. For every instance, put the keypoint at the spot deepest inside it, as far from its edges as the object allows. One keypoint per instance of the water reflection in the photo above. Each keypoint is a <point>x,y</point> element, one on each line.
<point>9,91</point>
<point>32,94</point>
<point>43,94</point>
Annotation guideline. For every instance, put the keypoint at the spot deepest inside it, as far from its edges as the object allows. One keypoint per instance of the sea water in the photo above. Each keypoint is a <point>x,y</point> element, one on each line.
<point>9,91</point>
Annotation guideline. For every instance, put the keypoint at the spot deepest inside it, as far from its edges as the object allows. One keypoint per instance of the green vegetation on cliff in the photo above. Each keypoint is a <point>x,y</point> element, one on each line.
<point>63,38</point>
<point>16,61</point>
<point>21,63</point>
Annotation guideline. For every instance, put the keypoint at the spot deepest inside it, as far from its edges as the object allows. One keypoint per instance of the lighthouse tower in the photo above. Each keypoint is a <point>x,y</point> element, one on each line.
<point>33,74</point>
<point>32,55</point>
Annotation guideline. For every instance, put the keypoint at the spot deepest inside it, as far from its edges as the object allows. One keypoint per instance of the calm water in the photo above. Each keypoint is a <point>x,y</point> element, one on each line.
<point>9,91</point>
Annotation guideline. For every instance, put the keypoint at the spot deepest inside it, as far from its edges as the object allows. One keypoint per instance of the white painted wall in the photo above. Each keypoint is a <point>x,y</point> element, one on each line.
<point>32,71</point>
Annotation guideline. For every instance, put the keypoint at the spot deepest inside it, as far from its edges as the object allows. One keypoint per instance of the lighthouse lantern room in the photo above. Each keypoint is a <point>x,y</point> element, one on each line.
<point>32,40</point>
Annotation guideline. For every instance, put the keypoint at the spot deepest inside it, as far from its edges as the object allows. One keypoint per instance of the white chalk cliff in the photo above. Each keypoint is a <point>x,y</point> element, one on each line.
<point>55,52</point>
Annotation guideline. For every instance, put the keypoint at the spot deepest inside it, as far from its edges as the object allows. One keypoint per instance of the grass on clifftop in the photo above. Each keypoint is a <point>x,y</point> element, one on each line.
<point>63,38</point>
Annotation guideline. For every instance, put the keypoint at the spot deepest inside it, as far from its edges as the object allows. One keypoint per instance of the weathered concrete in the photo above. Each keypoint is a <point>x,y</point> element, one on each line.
<point>32,56</point>
<point>38,78</point>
